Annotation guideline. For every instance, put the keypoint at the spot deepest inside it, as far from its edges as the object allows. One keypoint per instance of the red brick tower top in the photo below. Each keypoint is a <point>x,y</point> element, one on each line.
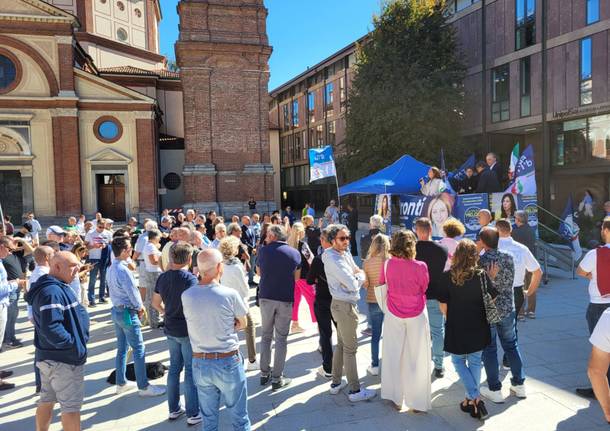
<point>223,54</point>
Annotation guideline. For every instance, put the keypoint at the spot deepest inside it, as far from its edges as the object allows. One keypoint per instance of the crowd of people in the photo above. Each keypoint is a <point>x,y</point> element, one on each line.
<point>193,276</point>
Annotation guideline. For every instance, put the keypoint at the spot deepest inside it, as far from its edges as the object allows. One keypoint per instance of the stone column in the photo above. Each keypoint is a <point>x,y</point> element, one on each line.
<point>223,54</point>
<point>66,155</point>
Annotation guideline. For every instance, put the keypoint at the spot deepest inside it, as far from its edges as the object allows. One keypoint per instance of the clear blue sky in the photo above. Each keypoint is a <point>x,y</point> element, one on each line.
<point>302,32</point>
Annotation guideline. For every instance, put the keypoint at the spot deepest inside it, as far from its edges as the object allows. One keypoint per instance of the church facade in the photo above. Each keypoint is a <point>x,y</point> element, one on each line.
<point>92,119</point>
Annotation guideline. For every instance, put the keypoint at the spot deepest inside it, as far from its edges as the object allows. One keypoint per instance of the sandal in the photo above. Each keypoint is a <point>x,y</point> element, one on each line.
<point>466,408</point>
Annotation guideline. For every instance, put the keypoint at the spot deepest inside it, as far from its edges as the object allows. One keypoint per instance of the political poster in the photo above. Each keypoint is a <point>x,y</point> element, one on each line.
<point>529,204</point>
<point>321,163</point>
<point>503,205</point>
<point>467,209</point>
<point>383,207</point>
<point>437,209</point>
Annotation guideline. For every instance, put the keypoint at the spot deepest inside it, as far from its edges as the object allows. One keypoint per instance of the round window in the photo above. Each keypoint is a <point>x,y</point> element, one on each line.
<point>121,34</point>
<point>108,129</point>
<point>172,181</point>
<point>8,72</point>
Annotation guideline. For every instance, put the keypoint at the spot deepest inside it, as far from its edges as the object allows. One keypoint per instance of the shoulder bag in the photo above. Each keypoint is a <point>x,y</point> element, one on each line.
<point>491,311</point>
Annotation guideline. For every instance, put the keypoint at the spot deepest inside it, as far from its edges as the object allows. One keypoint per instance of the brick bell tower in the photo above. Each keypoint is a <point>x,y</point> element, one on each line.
<point>223,54</point>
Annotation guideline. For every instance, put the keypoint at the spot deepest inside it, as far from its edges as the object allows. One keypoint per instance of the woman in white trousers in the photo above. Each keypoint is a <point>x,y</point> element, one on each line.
<point>406,367</point>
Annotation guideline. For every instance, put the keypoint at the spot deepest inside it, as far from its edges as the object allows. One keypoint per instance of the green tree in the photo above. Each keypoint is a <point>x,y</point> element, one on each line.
<point>407,95</point>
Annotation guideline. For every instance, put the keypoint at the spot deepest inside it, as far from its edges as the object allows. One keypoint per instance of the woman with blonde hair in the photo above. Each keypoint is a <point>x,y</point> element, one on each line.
<point>467,333</point>
<point>301,288</point>
<point>452,229</point>
<point>378,254</point>
<point>234,276</point>
<point>405,375</point>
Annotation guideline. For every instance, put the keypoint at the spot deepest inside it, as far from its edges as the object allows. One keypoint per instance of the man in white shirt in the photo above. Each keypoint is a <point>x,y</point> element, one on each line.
<point>97,240</point>
<point>524,261</point>
<point>600,362</point>
<point>599,281</point>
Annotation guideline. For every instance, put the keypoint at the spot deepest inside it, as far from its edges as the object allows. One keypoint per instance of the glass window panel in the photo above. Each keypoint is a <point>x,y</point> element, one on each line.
<point>592,11</point>
<point>8,72</point>
<point>462,4</point>
<point>108,130</point>
<point>585,58</point>
<point>599,137</point>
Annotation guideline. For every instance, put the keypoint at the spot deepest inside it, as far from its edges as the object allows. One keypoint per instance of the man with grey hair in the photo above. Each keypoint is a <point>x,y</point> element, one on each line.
<point>214,313</point>
<point>178,234</point>
<point>375,223</point>
<point>168,301</point>
<point>344,282</point>
<point>139,257</point>
<point>234,229</point>
<point>279,266</point>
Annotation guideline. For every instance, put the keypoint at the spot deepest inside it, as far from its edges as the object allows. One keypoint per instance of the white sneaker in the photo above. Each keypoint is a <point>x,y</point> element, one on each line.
<point>151,391</point>
<point>373,371</point>
<point>121,389</point>
<point>323,373</point>
<point>334,390</point>
<point>363,395</point>
<point>175,415</point>
<point>194,420</point>
<point>518,391</point>
<point>252,366</point>
<point>494,396</point>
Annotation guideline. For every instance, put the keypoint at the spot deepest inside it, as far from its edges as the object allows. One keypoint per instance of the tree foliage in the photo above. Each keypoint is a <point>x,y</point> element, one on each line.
<point>407,95</point>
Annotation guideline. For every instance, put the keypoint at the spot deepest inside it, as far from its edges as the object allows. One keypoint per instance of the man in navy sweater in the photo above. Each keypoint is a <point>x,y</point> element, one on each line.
<point>62,332</point>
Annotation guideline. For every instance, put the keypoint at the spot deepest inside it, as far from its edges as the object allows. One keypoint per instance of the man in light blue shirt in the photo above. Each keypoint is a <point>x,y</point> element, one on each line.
<point>6,289</point>
<point>127,310</point>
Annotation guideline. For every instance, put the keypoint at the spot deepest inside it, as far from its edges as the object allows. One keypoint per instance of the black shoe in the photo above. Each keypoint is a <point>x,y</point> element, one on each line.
<point>4,386</point>
<point>91,305</point>
<point>482,412</point>
<point>161,325</point>
<point>439,373</point>
<point>265,379</point>
<point>281,383</point>
<point>4,374</point>
<point>14,344</point>
<point>466,408</point>
<point>103,300</point>
<point>586,392</point>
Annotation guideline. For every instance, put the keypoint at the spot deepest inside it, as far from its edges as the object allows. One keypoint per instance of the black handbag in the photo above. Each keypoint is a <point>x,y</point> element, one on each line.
<point>491,311</point>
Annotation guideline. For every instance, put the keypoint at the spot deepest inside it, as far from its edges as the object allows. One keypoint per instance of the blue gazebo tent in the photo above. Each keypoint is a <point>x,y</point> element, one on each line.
<point>401,177</point>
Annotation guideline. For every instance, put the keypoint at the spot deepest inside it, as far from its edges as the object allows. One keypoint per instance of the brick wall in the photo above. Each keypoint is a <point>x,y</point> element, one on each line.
<point>147,163</point>
<point>66,154</point>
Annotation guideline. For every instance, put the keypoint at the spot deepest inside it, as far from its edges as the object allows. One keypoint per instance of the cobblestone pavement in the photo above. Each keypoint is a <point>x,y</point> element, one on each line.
<point>555,348</point>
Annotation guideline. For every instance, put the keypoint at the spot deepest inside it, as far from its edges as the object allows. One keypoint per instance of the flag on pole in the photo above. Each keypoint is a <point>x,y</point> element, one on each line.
<point>321,163</point>
<point>445,176</point>
<point>525,174</point>
<point>514,159</point>
<point>570,230</point>
<point>460,173</point>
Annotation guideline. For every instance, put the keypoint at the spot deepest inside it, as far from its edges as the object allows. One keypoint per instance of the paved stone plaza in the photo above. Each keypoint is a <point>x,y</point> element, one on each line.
<point>555,349</point>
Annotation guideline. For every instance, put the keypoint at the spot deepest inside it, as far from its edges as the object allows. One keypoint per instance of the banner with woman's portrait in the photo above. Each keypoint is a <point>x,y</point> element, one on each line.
<point>383,207</point>
<point>503,206</point>
<point>437,209</point>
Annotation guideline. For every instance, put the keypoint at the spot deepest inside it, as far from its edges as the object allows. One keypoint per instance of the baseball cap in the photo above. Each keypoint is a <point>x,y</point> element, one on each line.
<point>109,221</point>
<point>56,230</point>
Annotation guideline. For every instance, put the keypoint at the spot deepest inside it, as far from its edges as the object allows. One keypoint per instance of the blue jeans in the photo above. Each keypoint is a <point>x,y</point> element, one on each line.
<point>437,331</point>
<point>468,368</point>
<point>216,378</point>
<point>11,317</point>
<point>507,332</point>
<point>181,355</point>
<point>376,318</point>
<point>127,327</point>
<point>99,266</point>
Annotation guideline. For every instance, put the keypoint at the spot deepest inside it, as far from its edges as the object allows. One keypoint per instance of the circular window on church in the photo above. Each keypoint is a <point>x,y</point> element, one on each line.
<point>108,129</point>
<point>172,181</point>
<point>121,34</point>
<point>10,71</point>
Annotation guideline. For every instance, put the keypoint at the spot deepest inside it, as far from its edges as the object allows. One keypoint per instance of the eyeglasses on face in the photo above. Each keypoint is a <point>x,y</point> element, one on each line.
<point>343,238</point>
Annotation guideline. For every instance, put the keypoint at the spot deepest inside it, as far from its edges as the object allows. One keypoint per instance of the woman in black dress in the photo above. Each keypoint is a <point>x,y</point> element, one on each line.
<point>466,328</point>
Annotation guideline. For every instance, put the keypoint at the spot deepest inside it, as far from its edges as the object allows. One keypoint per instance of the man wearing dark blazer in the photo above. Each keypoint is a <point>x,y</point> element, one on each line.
<point>488,180</point>
<point>493,165</point>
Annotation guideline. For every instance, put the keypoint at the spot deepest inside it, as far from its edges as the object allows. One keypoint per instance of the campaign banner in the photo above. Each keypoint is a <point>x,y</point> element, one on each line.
<point>437,209</point>
<point>467,209</point>
<point>321,163</point>
<point>383,207</point>
<point>529,204</point>
<point>503,205</point>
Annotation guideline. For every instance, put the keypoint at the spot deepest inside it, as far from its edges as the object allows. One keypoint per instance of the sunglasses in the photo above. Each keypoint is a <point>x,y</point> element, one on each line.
<point>343,238</point>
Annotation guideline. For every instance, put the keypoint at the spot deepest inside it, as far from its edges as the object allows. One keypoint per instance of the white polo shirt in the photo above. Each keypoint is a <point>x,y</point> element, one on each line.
<point>523,259</point>
<point>589,264</point>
